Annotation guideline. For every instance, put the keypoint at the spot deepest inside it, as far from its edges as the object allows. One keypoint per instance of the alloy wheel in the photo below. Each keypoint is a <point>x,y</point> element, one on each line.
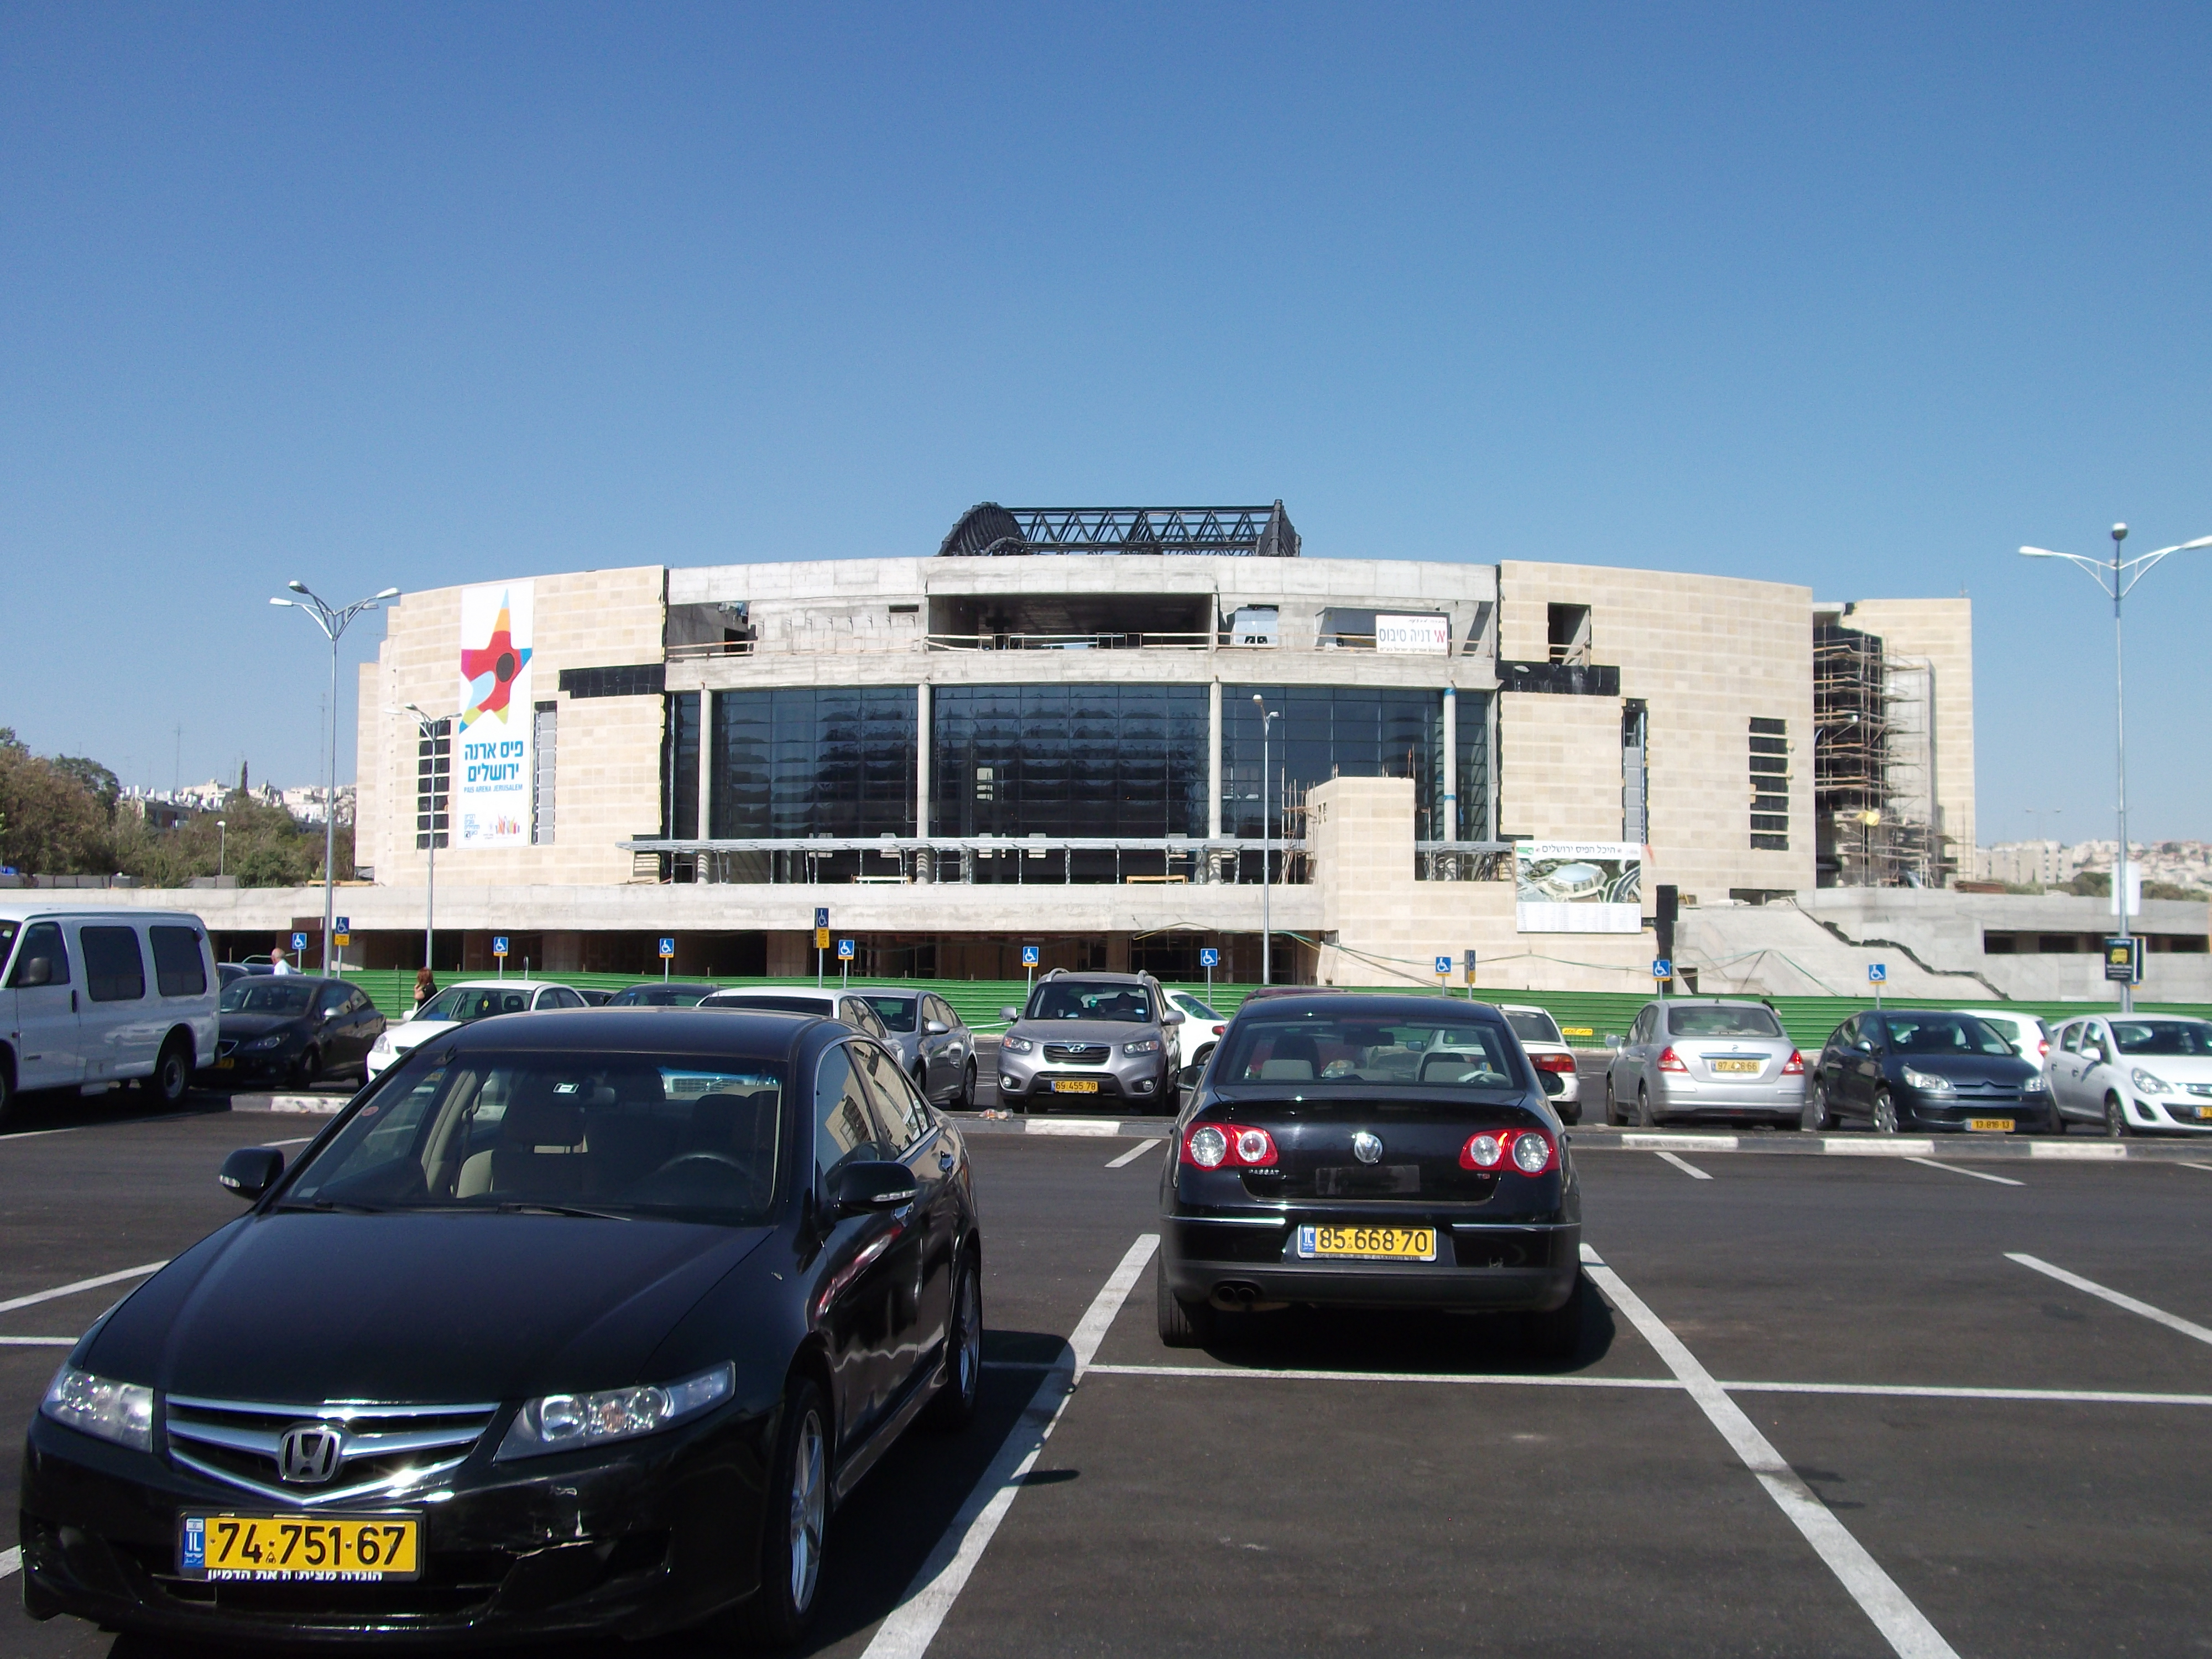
<point>809,1509</point>
<point>2117,1126</point>
<point>1885,1115</point>
<point>1814,1117</point>
<point>1644,1119</point>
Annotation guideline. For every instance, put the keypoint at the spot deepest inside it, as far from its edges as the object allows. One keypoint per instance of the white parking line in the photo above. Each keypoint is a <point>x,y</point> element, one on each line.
<point>1902,1625</point>
<point>2172,1322</point>
<point>81,1284</point>
<point>1978,1175</point>
<point>1132,1154</point>
<point>1475,1379</point>
<point>2187,1164</point>
<point>11,1561</point>
<point>37,1342</point>
<point>1685,1167</point>
<point>912,1624</point>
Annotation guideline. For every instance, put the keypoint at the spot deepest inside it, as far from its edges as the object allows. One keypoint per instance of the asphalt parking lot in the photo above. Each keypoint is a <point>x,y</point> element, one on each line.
<point>1820,1408</point>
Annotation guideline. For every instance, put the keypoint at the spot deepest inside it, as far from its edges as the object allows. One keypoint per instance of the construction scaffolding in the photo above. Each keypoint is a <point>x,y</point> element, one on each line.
<point>1873,764</point>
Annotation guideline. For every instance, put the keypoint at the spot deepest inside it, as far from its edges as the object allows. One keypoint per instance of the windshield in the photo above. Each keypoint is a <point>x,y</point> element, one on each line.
<point>896,1012</point>
<point>459,1002</point>
<point>1359,1050</point>
<point>1196,1009</point>
<point>2191,1037</point>
<point>268,996</point>
<point>1723,1022</point>
<point>1944,1034</point>
<point>1534,1026</point>
<point>616,1134</point>
<point>1074,1000</point>
<point>660,996</point>
<point>823,1007</point>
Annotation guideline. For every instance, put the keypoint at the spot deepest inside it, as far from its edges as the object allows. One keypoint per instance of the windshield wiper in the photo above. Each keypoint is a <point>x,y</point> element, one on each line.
<point>329,1206</point>
<point>517,1206</point>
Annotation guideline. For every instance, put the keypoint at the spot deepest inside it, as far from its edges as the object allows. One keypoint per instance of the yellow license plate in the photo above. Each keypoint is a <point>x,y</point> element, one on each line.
<point>224,1065</point>
<point>300,1547</point>
<point>2001,1125</point>
<point>1370,1243</point>
<point>2203,1113</point>
<point>1735,1066</point>
<point>1074,1085</point>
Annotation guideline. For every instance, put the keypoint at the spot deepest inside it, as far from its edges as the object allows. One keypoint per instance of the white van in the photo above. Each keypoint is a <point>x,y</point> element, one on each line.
<point>95,996</point>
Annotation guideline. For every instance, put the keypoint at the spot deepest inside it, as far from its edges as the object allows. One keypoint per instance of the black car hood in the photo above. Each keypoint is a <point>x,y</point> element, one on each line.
<point>415,1307</point>
<point>1971,1068</point>
<point>244,1028</point>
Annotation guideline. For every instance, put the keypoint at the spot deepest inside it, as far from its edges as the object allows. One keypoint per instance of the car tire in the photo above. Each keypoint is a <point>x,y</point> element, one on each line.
<point>1885,1113</point>
<point>7,1093</point>
<point>1814,1119</point>
<point>1611,1112</point>
<point>306,1068</point>
<point>1555,1337</point>
<point>172,1076</point>
<point>794,1519</point>
<point>1182,1324</point>
<point>965,1101</point>
<point>1645,1117</point>
<point>954,1407</point>
<point>2117,1127</point>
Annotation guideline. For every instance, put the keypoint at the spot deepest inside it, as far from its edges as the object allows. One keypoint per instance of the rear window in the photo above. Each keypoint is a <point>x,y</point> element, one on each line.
<point>1732,1022</point>
<point>114,971</point>
<point>1534,1026</point>
<point>2177,1037</point>
<point>180,968</point>
<point>1367,1050</point>
<point>815,1005</point>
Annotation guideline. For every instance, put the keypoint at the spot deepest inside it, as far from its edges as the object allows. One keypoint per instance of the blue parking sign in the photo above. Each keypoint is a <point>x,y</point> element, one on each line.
<point>1662,968</point>
<point>1877,972</point>
<point>1443,967</point>
<point>499,945</point>
<point>344,925</point>
<point>820,915</point>
<point>844,950</point>
<point>1030,956</point>
<point>667,947</point>
<point>1209,957</point>
<point>299,941</point>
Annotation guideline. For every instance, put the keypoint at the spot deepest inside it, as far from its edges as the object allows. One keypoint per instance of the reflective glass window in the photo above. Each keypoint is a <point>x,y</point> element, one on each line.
<point>1351,732</point>
<point>1074,761</point>
<point>813,761</point>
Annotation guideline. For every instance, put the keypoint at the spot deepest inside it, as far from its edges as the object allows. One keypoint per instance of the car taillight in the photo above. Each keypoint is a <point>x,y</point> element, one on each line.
<point>1221,1030</point>
<point>1217,1146</point>
<point>2043,1048</point>
<point>1553,1063</point>
<point>1795,1066</point>
<point>1530,1151</point>
<point>1671,1061</point>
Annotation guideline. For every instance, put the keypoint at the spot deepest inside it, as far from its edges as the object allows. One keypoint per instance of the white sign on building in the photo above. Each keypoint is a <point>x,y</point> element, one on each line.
<point>1578,887</point>
<point>491,744</point>
<point>1419,635</point>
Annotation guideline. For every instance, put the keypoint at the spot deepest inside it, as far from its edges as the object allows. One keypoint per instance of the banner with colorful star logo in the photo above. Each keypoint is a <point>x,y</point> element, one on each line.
<point>493,767</point>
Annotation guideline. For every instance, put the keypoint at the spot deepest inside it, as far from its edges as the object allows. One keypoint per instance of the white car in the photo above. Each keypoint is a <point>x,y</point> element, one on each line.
<point>2134,1074</point>
<point>1547,1051</point>
<point>459,1003</point>
<point>851,1006</point>
<point>1201,1029</point>
<point>2029,1036</point>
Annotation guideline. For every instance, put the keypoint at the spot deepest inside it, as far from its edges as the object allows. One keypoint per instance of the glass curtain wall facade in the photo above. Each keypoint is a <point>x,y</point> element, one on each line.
<point>1351,732</point>
<point>812,761</point>
<point>1473,783</point>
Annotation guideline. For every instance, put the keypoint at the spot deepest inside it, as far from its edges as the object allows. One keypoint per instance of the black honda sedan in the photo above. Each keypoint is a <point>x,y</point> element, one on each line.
<point>1913,1068</point>
<point>294,1028</point>
<point>571,1323</point>
<point>1361,1151</point>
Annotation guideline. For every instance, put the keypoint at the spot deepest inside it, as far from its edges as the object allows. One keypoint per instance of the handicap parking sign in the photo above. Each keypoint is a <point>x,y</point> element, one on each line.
<point>667,947</point>
<point>1877,972</point>
<point>1443,967</point>
<point>1029,955</point>
<point>1209,957</point>
<point>344,925</point>
<point>499,945</point>
<point>1662,968</point>
<point>820,915</point>
<point>299,941</point>
<point>844,950</point>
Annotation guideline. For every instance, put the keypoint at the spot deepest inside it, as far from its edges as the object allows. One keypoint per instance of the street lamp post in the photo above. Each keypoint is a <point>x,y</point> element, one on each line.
<point>221,848</point>
<point>1268,718</point>
<point>2118,578</point>
<point>428,724</point>
<point>333,623</point>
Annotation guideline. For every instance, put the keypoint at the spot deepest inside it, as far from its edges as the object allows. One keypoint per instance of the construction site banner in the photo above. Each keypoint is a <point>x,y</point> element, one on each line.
<point>491,746</point>
<point>1578,887</point>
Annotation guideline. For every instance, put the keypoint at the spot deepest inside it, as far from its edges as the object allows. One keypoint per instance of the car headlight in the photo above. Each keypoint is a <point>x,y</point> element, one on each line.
<point>1142,1046</point>
<point>2150,1084</point>
<point>565,1422</point>
<point>2035,1086</point>
<point>1014,1045</point>
<point>381,1046</point>
<point>121,1412</point>
<point>274,1040</point>
<point>1927,1082</point>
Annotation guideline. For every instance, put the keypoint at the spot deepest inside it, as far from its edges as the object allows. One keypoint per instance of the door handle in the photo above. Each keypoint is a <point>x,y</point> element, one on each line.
<point>72,1001</point>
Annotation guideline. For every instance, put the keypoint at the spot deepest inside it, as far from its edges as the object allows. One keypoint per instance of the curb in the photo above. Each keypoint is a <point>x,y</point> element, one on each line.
<point>322,1105</point>
<point>1097,1127</point>
<point>1797,1144</point>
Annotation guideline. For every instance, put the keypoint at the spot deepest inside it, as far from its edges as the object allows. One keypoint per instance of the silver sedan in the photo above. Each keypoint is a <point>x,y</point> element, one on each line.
<point>1704,1057</point>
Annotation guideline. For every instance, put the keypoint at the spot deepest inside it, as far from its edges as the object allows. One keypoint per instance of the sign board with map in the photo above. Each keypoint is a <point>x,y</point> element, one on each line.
<point>493,767</point>
<point>1578,887</point>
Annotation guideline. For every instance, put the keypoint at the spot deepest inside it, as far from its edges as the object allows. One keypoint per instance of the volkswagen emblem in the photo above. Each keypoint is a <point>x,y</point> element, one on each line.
<point>1366,1147</point>
<point>308,1453</point>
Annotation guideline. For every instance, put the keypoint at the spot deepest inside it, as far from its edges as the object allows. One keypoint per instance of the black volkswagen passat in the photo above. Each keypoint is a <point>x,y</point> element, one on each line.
<point>1912,1068</point>
<point>571,1323</point>
<point>1361,1151</point>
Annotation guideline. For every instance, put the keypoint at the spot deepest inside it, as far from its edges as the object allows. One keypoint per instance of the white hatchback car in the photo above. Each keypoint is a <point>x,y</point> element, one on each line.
<point>1547,1051</point>
<point>459,1003</point>
<point>2134,1074</point>
<point>1201,1029</point>
<point>2028,1035</point>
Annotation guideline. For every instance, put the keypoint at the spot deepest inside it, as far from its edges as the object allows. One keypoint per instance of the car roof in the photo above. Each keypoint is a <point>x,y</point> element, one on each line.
<point>1097,975</point>
<point>94,912</point>
<point>1406,1004</point>
<point>768,1033</point>
<point>497,984</point>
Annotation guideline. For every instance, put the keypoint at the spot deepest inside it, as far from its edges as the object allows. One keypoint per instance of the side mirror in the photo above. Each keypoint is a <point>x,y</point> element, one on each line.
<point>1553,1082</point>
<point>1171,1017</point>
<point>38,970</point>
<point>1188,1077</point>
<point>1612,1040</point>
<point>252,1170</point>
<point>935,1028</point>
<point>1009,1014</point>
<point>867,1186</point>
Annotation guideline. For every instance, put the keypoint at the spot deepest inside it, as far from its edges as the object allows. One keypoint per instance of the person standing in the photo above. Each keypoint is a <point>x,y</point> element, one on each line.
<point>425,987</point>
<point>277,964</point>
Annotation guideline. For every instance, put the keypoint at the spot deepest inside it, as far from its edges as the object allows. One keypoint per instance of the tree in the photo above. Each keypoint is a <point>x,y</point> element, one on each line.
<point>97,780</point>
<point>50,822</point>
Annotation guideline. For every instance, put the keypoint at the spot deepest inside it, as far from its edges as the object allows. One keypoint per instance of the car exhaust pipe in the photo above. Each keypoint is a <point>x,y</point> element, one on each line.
<point>1236,1296</point>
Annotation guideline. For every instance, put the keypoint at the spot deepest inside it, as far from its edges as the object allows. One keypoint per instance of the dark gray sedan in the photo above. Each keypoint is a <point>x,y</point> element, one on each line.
<point>933,1043</point>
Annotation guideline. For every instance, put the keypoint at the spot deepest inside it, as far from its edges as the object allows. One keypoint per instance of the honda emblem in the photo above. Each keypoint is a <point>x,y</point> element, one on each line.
<point>308,1453</point>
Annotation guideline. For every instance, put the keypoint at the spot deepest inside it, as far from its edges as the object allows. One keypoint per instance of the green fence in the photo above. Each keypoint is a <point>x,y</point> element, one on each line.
<point>1587,1016</point>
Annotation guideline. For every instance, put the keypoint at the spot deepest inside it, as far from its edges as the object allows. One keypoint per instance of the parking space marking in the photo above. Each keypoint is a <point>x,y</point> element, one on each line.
<point>1978,1175</point>
<point>2187,1164</point>
<point>1685,1166</point>
<point>1902,1625</point>
<point>37,1342</point>
<point>10,1559</point>
<point>1098,1128</point>
<point>2172,1322</point>
<point>1933,1391</point>
<point>1469,1378</point>
<point>81,1284</point>
<point>1132,1154</point>
<point>913,1624</point>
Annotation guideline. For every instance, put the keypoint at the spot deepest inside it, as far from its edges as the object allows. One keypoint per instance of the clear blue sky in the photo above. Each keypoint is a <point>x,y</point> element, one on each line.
<point>1854,297</point>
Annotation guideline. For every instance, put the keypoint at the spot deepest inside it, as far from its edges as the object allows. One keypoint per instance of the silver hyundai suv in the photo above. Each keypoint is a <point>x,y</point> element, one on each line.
<point>1089,1039</point>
